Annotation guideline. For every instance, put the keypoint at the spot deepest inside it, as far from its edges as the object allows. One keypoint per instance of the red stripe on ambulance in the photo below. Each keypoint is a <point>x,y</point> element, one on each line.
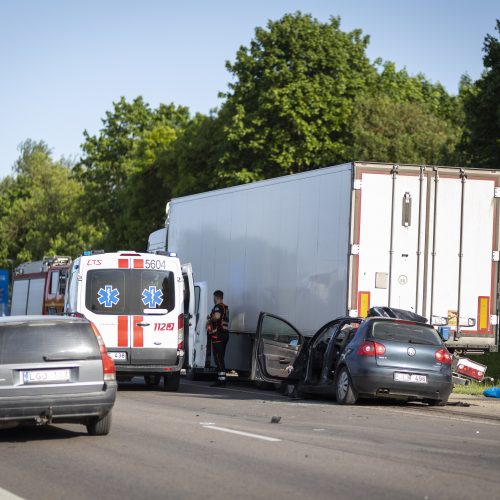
<point>122,331</point>
<point>138,332</point>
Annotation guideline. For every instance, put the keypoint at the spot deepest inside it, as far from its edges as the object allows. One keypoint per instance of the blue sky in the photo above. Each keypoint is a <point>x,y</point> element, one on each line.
<point>64,62</point>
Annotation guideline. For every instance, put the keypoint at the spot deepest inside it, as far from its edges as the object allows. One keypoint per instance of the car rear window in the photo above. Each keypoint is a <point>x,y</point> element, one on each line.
<point>129,291</point>
<point>405,332</point>
<point>39,342</point>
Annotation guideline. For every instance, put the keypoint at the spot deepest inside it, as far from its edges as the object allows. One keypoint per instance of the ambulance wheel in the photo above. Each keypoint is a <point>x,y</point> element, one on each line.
<point>171,381</point>
<point>152,380</point>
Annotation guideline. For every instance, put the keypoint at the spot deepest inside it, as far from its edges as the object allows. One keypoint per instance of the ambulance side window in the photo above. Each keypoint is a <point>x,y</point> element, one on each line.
<point>105,290</point>
<point>154,282</point>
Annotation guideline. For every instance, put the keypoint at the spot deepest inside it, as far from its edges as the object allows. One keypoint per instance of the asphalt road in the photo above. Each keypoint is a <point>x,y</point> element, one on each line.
<point>210,443</point>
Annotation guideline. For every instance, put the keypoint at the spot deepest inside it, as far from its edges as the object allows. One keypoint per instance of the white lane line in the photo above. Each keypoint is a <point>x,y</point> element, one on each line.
<point>241,433</point>
<point>7,495</point>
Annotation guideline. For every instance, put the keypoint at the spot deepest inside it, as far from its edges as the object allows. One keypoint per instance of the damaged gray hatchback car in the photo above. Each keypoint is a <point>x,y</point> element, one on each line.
<point>55,370</point>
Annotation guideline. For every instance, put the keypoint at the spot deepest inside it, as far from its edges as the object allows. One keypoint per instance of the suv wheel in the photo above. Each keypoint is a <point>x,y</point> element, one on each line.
<point>99,427</point>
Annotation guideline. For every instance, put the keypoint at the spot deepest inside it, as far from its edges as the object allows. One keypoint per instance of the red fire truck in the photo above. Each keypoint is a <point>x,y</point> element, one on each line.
<point>38,287</point>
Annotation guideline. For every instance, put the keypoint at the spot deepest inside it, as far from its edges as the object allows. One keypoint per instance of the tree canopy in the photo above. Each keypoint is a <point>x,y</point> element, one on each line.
<point>41,209</point>
<point>480,146</point>
<point>303,94</point>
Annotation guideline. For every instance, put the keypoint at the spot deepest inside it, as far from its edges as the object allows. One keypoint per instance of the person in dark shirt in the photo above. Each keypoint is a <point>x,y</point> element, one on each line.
<point>218,332</point>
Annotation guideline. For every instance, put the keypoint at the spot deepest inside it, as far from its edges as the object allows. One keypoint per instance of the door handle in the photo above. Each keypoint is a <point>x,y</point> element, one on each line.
<point>142,324</point>
<point>284,361</point>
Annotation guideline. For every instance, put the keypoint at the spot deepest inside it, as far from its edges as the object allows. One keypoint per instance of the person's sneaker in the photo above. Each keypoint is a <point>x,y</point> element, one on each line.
<point>219,383</point>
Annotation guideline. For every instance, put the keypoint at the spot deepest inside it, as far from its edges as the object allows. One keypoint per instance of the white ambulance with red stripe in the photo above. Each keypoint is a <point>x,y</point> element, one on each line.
<point>139,302</point>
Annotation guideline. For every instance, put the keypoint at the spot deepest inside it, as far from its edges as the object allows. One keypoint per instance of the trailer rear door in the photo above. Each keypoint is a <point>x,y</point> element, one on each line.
<point>426,237</point>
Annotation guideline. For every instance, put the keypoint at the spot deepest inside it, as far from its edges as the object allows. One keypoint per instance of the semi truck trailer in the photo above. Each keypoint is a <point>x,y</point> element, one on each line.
<point>339,240</point>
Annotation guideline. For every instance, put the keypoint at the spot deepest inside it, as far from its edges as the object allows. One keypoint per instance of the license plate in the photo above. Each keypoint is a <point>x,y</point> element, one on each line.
<point>118,356</point>
<point>45,376</point>
<point>410,377</point>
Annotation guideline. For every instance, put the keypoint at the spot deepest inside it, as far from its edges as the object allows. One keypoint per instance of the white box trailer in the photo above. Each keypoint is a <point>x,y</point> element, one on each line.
<point>325,243</point>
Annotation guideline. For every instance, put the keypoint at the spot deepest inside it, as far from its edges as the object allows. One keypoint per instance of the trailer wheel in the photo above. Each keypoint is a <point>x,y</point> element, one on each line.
<point>344,390</point>
<point>171,381</point>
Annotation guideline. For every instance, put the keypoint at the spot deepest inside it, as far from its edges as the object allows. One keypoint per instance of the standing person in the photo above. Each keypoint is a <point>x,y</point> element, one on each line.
<point>218,331</point>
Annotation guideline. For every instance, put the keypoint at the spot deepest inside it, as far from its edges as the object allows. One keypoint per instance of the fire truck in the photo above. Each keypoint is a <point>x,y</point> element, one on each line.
<point>38,287</point>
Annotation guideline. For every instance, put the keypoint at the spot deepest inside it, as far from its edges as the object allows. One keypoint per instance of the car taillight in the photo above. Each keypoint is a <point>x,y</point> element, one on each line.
<point>108,365</point>
<point>370,348</point>
<point>180,329</point>
<point>443,356</point>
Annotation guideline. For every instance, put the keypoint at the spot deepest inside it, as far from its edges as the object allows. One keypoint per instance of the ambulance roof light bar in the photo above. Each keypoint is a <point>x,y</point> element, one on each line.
<point>86,253</point>
<point>168,254</point>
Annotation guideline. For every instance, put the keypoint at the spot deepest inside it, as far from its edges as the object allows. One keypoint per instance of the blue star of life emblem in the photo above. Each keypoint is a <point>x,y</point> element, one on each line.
<point>152,297</point>
<point>108,296</point>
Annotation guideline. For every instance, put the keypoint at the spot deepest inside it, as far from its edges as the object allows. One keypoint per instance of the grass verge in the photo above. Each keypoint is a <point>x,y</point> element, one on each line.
<point>474,388</point>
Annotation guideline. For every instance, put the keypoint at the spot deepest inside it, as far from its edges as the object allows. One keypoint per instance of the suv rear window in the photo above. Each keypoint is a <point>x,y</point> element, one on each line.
<point>44,341</point>
<point>405,332</point>
<point>129,291</point>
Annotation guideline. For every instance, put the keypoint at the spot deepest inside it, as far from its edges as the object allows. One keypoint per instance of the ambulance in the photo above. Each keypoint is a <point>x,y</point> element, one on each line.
<point>140,303</point>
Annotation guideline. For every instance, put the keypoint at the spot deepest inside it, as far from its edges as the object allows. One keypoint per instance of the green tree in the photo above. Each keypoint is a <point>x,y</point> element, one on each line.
<point>292,98</point>
<point>391,130</point>
<point>197,155</point>
<point>480,144</point>
<point>123,170</point>
<point>406,119</point>
<point>41,208</point>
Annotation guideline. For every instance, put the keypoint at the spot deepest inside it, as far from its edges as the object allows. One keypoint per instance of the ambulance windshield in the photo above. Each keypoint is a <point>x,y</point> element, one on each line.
<point>129,291</point>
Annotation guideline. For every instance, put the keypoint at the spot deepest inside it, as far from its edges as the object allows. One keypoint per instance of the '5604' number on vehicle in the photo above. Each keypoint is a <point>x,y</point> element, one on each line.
<point>154,264</point>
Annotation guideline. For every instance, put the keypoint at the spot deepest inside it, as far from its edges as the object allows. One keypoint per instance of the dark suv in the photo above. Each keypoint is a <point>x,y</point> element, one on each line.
<point>55,370</point>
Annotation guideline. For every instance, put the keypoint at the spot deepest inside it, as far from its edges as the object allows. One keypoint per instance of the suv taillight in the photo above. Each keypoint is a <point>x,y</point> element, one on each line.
<point>370,348</point>
<point>443,356</point>
<point>108,365</point>
<point>180,329</point>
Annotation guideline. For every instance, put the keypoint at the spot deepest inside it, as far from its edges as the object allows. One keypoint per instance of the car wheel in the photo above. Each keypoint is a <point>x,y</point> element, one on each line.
<point>99,427</point>
<point>343,388</point>
<point>436,402</point>
<point>171,381</point>
<point>152,380</point>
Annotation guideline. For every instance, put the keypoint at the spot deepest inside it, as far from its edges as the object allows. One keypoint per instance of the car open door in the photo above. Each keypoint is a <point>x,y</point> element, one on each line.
<point>189,306</point>
<point>198,353</point>
<point>278,345</point>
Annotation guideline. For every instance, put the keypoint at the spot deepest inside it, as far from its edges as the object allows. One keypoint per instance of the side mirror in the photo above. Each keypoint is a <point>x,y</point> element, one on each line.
<point>444,333</point>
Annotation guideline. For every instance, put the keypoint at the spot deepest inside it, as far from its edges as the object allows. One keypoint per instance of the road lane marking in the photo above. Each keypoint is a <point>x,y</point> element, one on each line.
<point>241,433</point>
<point>7,495</point>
